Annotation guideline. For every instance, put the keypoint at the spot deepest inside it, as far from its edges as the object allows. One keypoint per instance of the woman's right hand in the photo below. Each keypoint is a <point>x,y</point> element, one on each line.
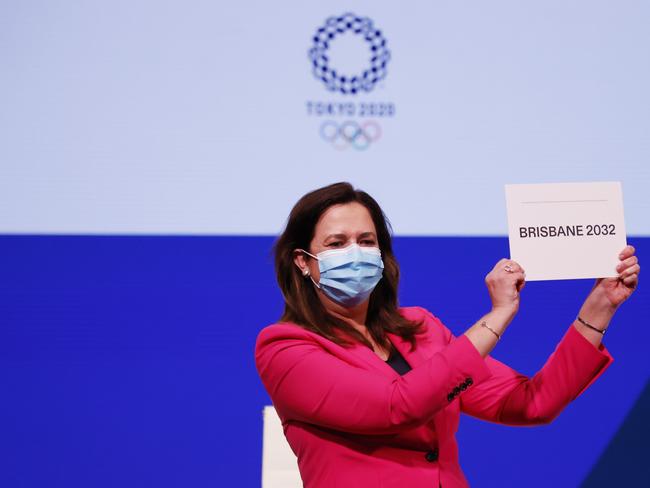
<point>504,283</point>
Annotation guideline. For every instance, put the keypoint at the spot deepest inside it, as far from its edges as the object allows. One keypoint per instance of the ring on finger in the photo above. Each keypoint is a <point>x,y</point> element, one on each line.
<point>508,268</point>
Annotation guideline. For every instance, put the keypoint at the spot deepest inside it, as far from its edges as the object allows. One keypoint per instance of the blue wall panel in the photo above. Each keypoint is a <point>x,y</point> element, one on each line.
<point>128,361</point>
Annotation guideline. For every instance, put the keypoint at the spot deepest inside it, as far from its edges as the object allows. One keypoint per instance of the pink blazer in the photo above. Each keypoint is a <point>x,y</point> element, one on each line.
<point>352,421</point>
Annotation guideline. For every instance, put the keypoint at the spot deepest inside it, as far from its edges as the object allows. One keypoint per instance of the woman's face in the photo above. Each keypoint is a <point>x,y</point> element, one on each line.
<point>338,227</point>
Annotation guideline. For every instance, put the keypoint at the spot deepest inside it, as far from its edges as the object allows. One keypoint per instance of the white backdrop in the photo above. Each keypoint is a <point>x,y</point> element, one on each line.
<point>193,116</point>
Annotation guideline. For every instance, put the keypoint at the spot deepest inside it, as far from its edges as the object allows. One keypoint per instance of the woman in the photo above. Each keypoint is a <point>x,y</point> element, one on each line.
<point>369,393</point>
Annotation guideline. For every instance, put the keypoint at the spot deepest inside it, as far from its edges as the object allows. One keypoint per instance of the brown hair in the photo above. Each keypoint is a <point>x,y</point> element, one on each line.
<point>302,305</point>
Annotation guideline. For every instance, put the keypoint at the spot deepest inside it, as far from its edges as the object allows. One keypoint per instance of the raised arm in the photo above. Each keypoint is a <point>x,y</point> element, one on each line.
<point>511,398</point>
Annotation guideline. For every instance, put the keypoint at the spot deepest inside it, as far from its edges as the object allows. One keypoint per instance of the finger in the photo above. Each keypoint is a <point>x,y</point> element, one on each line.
<point>631,261</point>
<point>501,263</point>
<point>520,283</point>
<point>635,269</point>
<point>513,267</point>
<point>498,266</point>
<point>515,264</point>
<point>631,281</point>
<point>517,280</point>
<point>627,252</point>
<point>517,274</point>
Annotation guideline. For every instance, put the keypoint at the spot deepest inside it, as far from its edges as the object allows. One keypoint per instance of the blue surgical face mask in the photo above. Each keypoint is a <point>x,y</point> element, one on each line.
<point>349,275</point>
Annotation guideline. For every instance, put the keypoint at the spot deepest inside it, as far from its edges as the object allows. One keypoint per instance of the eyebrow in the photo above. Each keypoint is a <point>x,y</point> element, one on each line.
<point>344,237</point>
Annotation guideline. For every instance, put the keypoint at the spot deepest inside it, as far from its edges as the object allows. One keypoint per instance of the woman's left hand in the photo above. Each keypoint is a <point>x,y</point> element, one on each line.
<point>617,290</point>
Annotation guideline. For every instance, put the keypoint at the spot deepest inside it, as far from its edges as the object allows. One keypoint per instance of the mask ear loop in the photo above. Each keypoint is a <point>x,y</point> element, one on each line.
<point>306,272</point>
<point>308,254</point>
<point>312,280</point>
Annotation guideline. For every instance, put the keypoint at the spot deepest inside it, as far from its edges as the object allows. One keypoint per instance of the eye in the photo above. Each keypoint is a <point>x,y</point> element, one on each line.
<point>335,244</point>
<point>368,242</point>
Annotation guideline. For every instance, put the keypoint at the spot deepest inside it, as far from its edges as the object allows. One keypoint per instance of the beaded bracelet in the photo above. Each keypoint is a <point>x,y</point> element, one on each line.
<point>600,331</point>
<point>483,324</point>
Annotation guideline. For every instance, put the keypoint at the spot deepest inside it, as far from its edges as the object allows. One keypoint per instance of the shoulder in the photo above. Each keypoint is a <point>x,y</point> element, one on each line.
<point>284,335</point>
<point>283,330</point>
<point>281,346</point>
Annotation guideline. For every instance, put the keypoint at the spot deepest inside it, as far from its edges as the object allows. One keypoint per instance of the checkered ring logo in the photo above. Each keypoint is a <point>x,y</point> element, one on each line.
<point>379,54</point>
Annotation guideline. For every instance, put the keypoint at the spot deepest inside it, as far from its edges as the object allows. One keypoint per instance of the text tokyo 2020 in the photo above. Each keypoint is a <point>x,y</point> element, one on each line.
<point>351,109</point>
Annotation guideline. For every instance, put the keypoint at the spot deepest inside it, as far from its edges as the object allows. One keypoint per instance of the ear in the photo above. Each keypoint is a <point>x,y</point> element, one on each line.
<point>300,261</point>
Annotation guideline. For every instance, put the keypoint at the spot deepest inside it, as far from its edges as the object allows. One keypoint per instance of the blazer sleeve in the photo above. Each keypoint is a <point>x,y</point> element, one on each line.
<point>307,383</point>
<point>508,397</point>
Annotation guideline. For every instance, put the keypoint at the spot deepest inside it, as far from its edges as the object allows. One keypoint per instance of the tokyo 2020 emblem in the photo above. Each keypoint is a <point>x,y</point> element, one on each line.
<point>366,79</point>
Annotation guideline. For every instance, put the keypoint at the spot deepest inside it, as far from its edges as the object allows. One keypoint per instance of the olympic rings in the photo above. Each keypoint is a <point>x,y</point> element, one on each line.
<point>350,133</point>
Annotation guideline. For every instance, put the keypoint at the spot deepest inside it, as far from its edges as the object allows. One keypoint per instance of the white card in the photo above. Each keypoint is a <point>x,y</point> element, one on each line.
<point>566,231</point>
